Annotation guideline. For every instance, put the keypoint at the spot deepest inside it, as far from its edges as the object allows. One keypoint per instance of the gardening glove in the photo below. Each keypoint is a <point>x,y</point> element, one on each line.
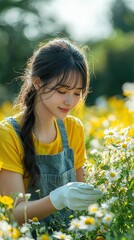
<point>75,196</point>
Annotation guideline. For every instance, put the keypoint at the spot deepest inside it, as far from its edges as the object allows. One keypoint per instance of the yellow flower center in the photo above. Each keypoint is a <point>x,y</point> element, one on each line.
<point>118,141</point>
<point>112,174</point>
<point>94,209</point>
<point>76,225</point>
<point>99,238</point>
<point>89,221</point>
<point>35,219</point>
<point>124,145</point>
<point>103,173</point>
<point>62,237</point>
<point>45,237</point>
<point>108,219</point>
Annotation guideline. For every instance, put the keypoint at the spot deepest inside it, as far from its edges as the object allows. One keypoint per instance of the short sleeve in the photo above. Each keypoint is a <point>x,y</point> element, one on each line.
<point>80,153</point>
<point>10,149</point>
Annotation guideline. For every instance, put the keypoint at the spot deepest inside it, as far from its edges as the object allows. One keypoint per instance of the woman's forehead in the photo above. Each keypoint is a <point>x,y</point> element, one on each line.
<point>70,84</point>
<point>70,80</point>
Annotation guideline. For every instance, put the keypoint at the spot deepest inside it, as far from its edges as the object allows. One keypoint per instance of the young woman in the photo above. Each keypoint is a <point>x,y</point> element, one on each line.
<point>42,147</point>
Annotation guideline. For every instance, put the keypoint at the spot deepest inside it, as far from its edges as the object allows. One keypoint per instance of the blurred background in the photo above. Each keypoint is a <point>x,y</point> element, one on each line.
<point>105,26</point>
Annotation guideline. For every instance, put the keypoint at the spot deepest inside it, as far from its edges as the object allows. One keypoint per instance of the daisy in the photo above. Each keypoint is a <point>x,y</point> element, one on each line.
<point>124,132</point>
<point>60,235</point>
<point>110,133</point>
<point>112,175</point>
<point>107,219</point>
<point>93,208</point>
<point>74,224</point>
<point>87,223</point>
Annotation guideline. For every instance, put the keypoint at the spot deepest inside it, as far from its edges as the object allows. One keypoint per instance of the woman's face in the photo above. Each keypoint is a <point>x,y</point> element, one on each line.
<point>59,102</point>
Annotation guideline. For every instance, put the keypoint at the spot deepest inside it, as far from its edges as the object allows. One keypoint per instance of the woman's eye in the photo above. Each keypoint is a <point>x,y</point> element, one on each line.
<point>61,92</point>
<point>65,91</point>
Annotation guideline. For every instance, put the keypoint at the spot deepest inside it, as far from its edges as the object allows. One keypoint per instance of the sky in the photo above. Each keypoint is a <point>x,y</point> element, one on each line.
<point>85,19</point>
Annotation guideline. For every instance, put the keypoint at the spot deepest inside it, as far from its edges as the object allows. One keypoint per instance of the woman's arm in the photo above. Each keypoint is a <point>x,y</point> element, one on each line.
<point>75,196</point>
<point>80,175</point>
<point>12,183</point>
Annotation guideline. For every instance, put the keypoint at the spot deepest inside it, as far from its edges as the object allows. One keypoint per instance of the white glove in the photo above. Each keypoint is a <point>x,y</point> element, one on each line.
<point>75,196</point>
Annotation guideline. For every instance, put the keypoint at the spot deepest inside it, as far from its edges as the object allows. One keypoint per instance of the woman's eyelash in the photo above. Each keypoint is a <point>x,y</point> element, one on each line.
<point>77,94</point>
<point>61,92</point>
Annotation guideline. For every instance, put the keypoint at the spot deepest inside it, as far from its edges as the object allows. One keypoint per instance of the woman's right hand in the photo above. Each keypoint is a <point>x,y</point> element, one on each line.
<point>75,196</point>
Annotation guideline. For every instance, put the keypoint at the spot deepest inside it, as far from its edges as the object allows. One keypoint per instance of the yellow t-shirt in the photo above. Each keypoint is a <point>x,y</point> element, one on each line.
<point>11,147</point>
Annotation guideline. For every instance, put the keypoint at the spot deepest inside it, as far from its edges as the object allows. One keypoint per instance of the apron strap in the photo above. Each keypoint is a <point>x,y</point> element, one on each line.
<point>63,133</point>
<point>14,124</point>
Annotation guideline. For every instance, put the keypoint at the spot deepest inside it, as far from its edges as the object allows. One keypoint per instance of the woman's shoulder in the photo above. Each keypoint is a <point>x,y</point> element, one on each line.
<point>73,122</point>
<point>5,130</point>
<point>6,127</point>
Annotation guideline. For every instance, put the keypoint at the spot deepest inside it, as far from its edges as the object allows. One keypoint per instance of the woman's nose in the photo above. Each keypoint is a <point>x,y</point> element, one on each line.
<point>69,100</point>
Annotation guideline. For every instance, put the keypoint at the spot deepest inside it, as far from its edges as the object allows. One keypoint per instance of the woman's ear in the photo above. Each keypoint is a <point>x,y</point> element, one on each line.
<point>37,83</point>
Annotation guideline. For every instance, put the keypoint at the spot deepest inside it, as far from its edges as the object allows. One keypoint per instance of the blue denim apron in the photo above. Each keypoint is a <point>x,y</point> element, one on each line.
<point>55,171</point>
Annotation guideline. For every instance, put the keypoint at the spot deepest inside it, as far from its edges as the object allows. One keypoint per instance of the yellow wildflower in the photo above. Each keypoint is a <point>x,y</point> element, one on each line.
<point>35,219</point>
<point>14,233</point>
<point>89,221</point>
<point>6,200</point>
<point>45,237</point>
<point>99,238</point>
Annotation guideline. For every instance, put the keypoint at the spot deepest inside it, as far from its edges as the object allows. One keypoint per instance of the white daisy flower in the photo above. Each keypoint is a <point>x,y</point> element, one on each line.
<point>112,175</point>
<point>4,226</point>
<point>111,118</point>
<point>128,89</point>
<point>95,144</point>
<point>87,223</point>
<point>74,224</point>
<point>107,219</point>
<point>113,158</point>
<point>131,173</point>
<point>131,147</point>
<point>105,123</point>
<point>93,208</point>
<point>123,145</point>
<point>60,235</point>
<point>112,200</point>
<point>105,205</point>
<point>24,228</point>
<point>124,132</point>
<point>100,213</point>
<point>110,133</point>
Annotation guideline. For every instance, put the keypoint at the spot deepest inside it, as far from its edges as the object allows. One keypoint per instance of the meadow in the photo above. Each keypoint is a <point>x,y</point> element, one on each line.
<point>109,139</point>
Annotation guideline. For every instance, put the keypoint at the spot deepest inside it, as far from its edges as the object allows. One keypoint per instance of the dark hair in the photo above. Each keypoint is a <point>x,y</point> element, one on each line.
<point>56,59</point>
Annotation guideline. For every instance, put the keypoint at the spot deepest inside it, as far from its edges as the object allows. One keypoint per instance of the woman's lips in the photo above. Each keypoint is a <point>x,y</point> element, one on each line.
<point>64,110</point>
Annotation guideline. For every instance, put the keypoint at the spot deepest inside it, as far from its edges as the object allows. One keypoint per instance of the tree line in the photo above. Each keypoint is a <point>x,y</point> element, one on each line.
<point>111,61</point>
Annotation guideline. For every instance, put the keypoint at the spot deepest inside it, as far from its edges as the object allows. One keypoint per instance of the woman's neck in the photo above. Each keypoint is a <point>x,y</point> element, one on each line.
<point>44,128</point>
<point>45,132</point>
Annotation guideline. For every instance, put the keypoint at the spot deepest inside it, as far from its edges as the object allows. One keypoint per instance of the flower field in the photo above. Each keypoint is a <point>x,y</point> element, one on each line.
<point>109,139</point>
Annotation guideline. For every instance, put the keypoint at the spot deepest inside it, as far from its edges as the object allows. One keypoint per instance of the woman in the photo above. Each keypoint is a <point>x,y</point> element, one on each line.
<point>42,148</point>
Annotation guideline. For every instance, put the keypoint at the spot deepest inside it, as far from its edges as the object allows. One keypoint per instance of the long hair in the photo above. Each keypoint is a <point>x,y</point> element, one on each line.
<point>57,59</point>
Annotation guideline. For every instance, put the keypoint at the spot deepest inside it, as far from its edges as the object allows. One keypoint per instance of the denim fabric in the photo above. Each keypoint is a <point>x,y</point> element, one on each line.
<point>55,171</point>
